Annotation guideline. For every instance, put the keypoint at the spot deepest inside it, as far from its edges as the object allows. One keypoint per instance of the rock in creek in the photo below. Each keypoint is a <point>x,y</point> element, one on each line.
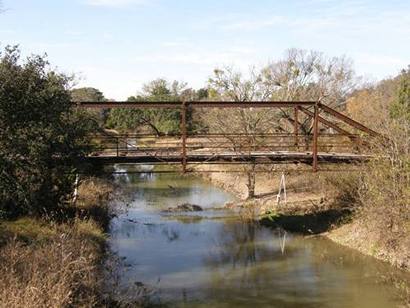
<point>186,207</point>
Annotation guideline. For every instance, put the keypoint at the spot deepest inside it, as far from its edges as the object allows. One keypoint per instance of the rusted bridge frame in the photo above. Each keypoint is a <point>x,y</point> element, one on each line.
<point>296,105</point>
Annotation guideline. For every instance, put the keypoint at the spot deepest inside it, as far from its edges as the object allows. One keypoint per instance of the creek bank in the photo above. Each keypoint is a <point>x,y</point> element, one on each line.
<point>357,236</point>
<point>48,263</point>
<point>307,212</point>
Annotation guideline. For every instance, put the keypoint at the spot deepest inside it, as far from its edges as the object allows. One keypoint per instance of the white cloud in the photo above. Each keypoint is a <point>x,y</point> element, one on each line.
<point>115,3</point>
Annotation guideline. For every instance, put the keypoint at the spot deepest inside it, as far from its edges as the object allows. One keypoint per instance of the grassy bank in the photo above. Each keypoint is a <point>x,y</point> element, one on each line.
<point>49,264</point>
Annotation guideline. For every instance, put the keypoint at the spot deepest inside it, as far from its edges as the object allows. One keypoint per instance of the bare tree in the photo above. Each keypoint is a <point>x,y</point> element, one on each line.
<point>309,75</point>
<point>300,75</point>
<point>242,129</point>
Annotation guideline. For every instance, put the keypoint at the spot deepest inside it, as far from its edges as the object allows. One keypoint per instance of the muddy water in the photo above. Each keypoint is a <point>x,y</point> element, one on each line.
<point>212,259</point>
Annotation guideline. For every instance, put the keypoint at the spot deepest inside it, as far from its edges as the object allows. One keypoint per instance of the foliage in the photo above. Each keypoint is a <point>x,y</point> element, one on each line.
<point>95,196</point>
<point>88,94</point>
<point>400,109</point>
<point>387,184</point>
<point>270,215</point>
<point>41,136</point>
<point>385,188</point>
<point>372,105</point>
<point>381,192</point>
<point>160,121</point>
<point>345,186</point>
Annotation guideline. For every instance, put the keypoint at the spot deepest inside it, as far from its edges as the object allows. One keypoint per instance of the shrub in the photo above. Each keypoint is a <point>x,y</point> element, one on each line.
<point>41,137</point>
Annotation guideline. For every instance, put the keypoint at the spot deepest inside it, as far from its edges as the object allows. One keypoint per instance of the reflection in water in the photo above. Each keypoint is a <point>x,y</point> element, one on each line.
<point>212,258</point>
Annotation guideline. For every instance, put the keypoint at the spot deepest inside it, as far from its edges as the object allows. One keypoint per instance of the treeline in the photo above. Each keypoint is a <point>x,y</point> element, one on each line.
<point>299,75</point>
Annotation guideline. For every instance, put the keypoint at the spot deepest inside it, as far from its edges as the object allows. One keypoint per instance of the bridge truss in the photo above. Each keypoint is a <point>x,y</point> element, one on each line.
<point>334,138</point>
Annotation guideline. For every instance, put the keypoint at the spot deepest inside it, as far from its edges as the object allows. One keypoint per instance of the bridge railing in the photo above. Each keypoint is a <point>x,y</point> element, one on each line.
<point>323,119</point>
<point>172,145</point>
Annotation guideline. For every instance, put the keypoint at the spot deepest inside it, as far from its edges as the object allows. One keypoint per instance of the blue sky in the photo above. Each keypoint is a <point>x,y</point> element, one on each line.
<point>117,45</point>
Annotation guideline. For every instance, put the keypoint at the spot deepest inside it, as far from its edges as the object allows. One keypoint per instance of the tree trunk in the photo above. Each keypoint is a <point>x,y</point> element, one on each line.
<point>155,129</point>
<point>251,182</point>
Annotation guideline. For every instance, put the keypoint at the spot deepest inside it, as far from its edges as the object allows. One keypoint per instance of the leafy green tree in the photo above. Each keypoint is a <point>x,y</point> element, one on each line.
<point>160,121</point>
<point>400,108</point>
<point>202,94</point>
<point>42,138</point>
<point>88,94</point>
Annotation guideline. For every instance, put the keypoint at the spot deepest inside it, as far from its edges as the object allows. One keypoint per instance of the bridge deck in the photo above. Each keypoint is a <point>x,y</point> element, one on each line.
<point>226,157</point>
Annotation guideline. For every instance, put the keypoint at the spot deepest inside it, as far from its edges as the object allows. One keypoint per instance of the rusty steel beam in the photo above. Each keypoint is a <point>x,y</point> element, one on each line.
<point>198,104</point>
<point>232,171</point>
<point>315,137</point>
<point>98,105</point>
<point>214,135</point>
<point>296,125</point>
<point>349,121</point>
<point>183,136</point>
<point>327,123</point>
<point>254,104</point>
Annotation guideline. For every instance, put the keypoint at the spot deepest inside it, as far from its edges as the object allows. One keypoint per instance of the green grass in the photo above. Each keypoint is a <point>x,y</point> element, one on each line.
<point>35,231</point>
<point>27,230</point>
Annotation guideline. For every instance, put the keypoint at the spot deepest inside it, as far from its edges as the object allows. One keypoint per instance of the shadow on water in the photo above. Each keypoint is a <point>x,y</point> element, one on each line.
<point>313,223</point>
<point>211,258</point>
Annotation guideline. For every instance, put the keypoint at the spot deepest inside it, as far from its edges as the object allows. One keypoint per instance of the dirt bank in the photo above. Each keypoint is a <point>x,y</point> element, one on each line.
<point>305,194</point>
<point>310,209</point>
<point>357,236</point>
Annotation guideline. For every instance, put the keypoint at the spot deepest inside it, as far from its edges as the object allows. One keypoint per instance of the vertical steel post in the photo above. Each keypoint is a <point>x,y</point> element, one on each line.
<point>183,136</point>
<point>118,150</point>
<point>315,137</point>
<point>296,127</point>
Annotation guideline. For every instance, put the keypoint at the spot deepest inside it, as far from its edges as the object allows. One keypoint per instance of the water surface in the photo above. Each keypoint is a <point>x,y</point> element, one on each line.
<point>213,259</point>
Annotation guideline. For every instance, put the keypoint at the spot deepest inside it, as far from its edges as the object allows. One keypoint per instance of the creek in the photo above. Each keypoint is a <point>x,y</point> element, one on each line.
<point>212,258</point>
